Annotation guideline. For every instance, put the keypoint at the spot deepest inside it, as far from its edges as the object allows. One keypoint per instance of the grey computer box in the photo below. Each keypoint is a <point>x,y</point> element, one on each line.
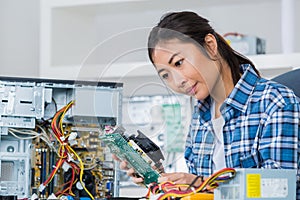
<point>254,184</point>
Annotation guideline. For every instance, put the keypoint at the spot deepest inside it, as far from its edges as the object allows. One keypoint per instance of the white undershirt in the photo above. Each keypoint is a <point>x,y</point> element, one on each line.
<point>218,155</point>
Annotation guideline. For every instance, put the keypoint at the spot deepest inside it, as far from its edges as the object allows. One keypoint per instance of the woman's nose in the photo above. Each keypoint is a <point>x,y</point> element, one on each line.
<point>179,79</point>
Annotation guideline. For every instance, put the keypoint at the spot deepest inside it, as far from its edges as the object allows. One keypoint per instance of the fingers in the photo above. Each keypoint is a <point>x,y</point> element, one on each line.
<point>130,171</point>
<point>134,177</point>
<point>177,178</point>
<point>124,165</point>
<point>168,177</point>
<point>159,169</point>
<point>137,180</point>
<point>116,158</point>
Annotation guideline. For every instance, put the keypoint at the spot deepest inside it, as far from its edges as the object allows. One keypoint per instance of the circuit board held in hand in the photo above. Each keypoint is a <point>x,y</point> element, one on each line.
<point>140,157</point>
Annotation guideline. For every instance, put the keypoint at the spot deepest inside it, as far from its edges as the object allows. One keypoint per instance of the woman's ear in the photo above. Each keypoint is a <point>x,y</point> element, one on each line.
<point>211,45</point>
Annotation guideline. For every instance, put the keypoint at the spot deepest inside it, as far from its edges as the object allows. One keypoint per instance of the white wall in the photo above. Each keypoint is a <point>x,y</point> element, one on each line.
<point>112,30</point>
<point>19,28</point>
<point>19,38</point>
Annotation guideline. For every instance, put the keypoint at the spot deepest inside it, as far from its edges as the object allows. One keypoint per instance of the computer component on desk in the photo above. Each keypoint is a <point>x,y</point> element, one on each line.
<point>255,184</point>
<point>246,44</point>
<point>49,138</point>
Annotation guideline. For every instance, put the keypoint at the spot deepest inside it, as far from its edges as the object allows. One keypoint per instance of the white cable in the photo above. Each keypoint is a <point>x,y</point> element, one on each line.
<point>43,136</point>
<point>22,138</point>
<point>24,132</point>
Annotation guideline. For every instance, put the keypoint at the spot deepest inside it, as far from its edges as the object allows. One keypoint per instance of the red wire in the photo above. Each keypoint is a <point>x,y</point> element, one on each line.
<point>61,186</point>
<point>58,164</point>
<point>74,167</point>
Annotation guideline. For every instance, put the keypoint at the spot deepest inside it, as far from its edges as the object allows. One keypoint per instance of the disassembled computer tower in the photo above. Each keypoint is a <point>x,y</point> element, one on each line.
<point>49,138</point>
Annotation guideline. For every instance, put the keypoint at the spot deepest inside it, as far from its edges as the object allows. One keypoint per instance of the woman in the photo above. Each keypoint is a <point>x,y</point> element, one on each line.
<point>241,120</point>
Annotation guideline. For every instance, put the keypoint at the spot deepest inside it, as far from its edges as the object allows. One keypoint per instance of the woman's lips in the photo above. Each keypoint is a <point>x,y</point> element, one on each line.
<point>192,90</point>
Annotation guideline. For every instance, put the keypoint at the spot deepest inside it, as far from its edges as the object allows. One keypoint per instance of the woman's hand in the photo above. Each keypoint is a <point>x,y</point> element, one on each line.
<point>130,171</point>
<point>180,178</point>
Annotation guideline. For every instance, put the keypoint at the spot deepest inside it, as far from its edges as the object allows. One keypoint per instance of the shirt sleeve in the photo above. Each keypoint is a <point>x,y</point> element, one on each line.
<point>188,154</point>
<point>278,145</point>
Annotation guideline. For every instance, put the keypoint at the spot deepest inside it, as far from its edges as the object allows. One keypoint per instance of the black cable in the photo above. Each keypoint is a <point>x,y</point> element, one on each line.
<point>194,181</point>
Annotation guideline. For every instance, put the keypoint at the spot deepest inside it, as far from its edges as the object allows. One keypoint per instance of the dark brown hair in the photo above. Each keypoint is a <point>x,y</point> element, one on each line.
<point>189,27</point>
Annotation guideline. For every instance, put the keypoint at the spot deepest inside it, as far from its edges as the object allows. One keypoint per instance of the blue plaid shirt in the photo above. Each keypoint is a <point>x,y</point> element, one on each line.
<point>261,127</point>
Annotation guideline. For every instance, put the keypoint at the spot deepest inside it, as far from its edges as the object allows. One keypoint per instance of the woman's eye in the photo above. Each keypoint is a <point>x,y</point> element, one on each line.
<point>165,76</point>
<point>178,63</point>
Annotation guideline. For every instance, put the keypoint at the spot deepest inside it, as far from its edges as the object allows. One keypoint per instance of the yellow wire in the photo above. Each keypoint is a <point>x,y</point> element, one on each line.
<point>70,148</point>
<point>81,171</point>
<point>63,115</point>
<point>175,185</point>
<point>62,192</point>
<point>61,149</point>
<point>210,181</point>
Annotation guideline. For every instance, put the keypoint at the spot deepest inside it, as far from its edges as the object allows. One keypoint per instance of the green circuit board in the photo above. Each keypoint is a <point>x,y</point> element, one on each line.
<point>120,147</point>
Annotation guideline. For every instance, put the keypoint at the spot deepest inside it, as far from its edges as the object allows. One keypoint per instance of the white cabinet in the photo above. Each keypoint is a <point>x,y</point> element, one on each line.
<point>271,65</point>
<point>107,39</point>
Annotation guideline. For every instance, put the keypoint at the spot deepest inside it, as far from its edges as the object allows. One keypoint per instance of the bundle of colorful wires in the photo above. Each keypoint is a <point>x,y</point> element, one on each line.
<point>169,189</point>
<point>65,150</point>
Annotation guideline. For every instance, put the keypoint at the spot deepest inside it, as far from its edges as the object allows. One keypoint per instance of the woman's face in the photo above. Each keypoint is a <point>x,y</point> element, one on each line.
<point>185,69</point>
